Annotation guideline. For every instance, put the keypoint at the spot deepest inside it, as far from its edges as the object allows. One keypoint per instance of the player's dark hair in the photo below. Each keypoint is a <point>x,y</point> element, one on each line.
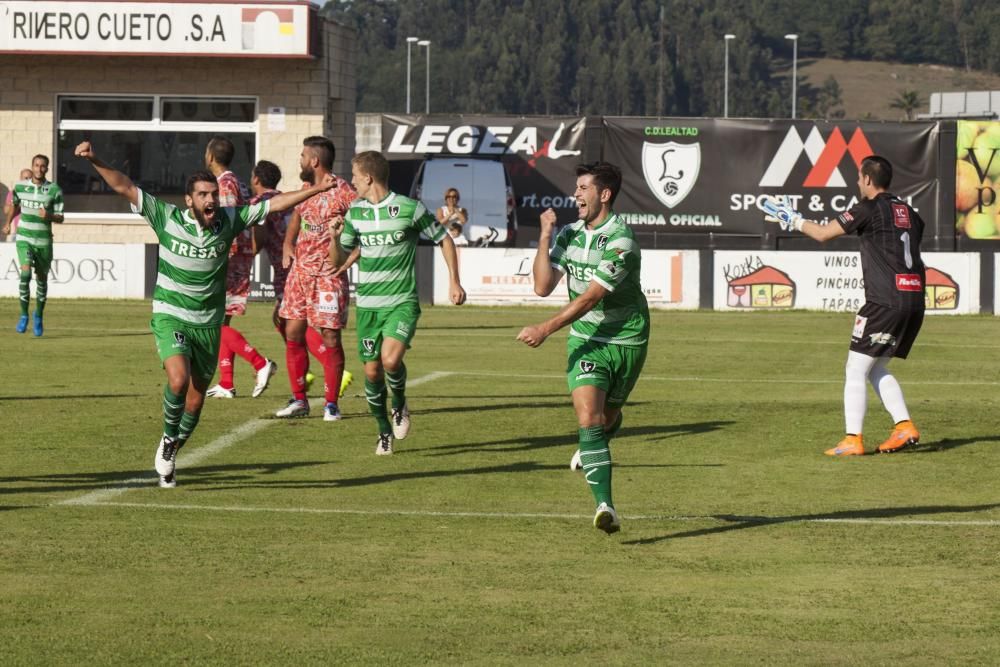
<point>222,150</point>
<point>606,176</point>
<point>879,170</point>
<point>268,173</point>
<point>324,148</point>
<point>197,177</point>
<point>40,157</point>
<point>374,164</point>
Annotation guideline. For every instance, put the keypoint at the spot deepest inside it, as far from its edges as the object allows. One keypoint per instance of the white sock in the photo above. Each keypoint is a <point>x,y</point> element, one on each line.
<point>888,390</point>
<point>856,390</point>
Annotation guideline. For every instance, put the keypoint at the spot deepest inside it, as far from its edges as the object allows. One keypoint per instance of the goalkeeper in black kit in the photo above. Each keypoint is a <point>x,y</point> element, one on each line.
<point>890,319</point>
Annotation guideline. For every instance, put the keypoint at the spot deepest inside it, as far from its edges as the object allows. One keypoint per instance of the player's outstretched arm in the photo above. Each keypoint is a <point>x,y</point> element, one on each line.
<point>789,219</point>
<point>115,179</point>
<point>8,212</point>
<point>349,262</point>
<point>535,335</point>
<point>545,277</point>
<point>456,291</point>
<point>287,200</point>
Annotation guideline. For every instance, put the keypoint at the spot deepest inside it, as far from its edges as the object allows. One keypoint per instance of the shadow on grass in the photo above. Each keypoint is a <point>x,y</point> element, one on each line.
<point>368,480</point>
<point>945,444</point>
<point>518,405</point>
<point>736,522</point>
<point>91,481</point>
<point>69,397</point>
<point>652,433</point>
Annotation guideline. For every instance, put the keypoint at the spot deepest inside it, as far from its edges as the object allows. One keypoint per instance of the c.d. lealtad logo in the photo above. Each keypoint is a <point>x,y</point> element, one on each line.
<point>671,170</point>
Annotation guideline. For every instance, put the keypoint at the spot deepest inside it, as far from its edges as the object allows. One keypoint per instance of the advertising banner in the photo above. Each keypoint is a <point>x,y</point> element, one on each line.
<point>258,29</point>
<point>539,155</point>
<point>92,270</point>
<point>498,276</point>
<point>977,177</point>
<point>262,278</point>
<point>696,175</point>
<point>771,280</point>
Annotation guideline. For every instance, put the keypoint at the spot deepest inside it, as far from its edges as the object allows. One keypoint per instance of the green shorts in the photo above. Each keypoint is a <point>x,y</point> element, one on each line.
<point>199,344</point>
<point>39,257</point>
<point>374,325</point>
<point>613,368</point>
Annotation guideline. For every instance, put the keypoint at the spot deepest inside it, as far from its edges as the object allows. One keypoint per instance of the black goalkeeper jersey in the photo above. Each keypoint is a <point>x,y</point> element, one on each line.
<point>890,232</point>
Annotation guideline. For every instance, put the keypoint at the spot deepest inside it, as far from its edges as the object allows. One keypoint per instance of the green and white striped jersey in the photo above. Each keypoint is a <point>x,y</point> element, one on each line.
<point>31,198</point>
<point>191,273</point>
<point>387,233</point>
<point>609,255</point>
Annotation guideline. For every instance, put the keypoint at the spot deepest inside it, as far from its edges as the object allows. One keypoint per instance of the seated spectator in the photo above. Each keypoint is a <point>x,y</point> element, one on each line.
<point>455,232</point>
<point>451,211</point>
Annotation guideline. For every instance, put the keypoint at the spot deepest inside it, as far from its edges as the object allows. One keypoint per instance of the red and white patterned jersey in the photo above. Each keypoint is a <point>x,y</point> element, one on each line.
<point>232,192</point>
<point>312,247</point>
<point>276,225</point>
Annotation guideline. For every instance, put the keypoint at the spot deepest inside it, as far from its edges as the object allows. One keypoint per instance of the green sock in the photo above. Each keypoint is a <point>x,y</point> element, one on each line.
<point>596,458</point>
<point>24,291</point>
<point>376,393</point>
<point>612,430</point>
<point>189,420</point>
<point>397,382</point>
<point>173,407</point>
<point>41,292</point>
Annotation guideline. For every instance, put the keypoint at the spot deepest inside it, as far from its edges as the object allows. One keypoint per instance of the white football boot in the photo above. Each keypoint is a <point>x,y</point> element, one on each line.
<point>264,377</point>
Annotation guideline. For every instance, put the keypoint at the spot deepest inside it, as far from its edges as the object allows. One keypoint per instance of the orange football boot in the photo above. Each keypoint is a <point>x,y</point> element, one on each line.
<point>903,435</point>
<point>851,445</point>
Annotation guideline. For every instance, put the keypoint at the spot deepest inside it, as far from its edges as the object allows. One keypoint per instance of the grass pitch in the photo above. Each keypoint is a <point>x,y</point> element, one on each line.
<point>290,542</point>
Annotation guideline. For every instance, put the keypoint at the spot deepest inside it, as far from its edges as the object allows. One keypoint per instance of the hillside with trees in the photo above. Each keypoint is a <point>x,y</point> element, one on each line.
<point>655,57</point>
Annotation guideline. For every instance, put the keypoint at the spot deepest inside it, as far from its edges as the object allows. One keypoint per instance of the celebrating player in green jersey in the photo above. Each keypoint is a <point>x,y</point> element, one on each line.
<point>609,317</point>
<point>40,203</point>
<point>189,301</point>
<point>386,227</point>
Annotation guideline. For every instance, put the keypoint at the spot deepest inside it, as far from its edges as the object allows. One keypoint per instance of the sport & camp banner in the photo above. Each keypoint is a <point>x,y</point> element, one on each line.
<point>694,175</point>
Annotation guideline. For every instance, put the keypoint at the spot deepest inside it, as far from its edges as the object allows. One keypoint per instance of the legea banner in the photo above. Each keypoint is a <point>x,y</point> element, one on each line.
<point>539,154</point>
<point>258,29</point>
<point>93,270</point>
<point>698,175</point>
<point>771,280</point>
<point>498,276</point>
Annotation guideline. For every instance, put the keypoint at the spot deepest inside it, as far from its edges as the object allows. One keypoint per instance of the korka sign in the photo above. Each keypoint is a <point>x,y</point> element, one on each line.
<point>769,280</point>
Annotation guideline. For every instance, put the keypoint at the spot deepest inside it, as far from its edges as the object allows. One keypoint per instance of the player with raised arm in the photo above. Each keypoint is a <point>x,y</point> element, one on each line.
<point>189,301</point>
<point>888,323</point>
<point>316,296</point>
<point>39,203</point>
<point>609,320</point>
<point>232,192</point>
<point>386,226</point>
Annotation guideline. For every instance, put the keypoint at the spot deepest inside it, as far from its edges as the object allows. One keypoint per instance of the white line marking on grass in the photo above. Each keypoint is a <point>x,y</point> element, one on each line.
<point>735,520</point>
<point>694,378</point>
<point>241,432</point>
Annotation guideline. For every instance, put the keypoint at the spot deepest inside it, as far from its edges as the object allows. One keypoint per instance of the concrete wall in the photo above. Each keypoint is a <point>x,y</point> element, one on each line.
<point>318,95</point>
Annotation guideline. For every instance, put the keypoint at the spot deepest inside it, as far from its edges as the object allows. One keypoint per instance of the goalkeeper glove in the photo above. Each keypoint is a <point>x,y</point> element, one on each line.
<point>777,211</point>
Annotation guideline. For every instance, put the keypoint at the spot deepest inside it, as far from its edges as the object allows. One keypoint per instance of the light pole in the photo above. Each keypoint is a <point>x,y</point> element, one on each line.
<point>795,64</point>
<point>427,84</point>
<point>725,103</point>
<point>409,42</point>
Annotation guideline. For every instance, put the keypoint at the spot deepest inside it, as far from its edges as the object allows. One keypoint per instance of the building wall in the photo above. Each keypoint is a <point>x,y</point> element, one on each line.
<point>318,96</point>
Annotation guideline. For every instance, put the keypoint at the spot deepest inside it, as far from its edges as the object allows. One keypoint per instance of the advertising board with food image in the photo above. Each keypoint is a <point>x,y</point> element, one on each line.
<point>977,177</point>
<point>771,280</point>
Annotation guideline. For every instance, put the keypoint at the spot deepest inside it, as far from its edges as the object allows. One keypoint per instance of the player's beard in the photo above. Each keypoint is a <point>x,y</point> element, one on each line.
<point>307,174</point>
<point>202,219</point>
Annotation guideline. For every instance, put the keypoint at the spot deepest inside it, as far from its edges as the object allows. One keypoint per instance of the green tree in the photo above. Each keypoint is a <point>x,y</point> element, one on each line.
<point>907,101</point>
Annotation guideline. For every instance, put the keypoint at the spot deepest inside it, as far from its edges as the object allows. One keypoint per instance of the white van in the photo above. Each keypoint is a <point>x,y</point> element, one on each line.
<point>485,190</point>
